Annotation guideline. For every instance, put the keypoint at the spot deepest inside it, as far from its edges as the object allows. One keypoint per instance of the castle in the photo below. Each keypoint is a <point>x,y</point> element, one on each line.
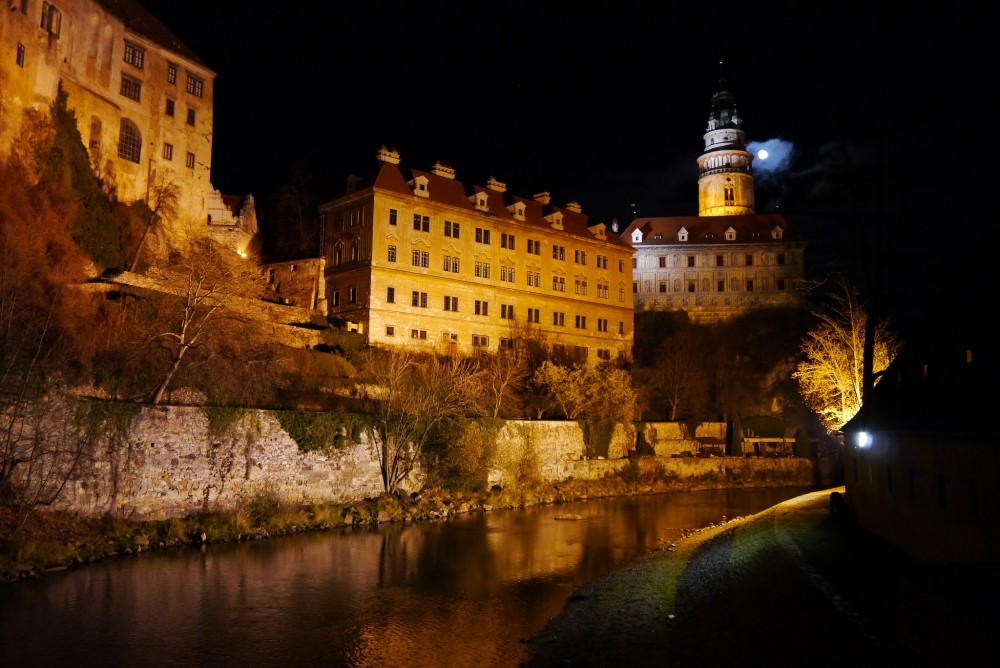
<point>728,259</point>
<point>143,100</point>
<point>419,258</point>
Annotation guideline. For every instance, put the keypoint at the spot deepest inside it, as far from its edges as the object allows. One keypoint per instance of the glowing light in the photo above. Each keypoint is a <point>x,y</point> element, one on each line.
<point>864,439</point>
<point>762,154</point>
<point>243,254</point>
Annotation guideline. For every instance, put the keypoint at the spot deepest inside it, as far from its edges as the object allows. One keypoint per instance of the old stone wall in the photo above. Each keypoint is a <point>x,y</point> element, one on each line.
<point>170,466</point>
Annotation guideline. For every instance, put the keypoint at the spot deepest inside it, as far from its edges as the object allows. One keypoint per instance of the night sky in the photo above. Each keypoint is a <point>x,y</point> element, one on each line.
<point>604,103</point>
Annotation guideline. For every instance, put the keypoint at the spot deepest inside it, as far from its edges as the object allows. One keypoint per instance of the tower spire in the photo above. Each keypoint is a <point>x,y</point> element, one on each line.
<point>725,177</point>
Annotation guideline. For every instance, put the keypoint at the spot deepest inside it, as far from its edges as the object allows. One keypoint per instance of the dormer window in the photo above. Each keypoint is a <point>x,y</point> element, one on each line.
<point>517,209</point>
<point>636,236</point>
<point>419,185</point>
<point>777,233</point>
<point>555,220</point>
<point>730,234</point>
<point>682,234</point>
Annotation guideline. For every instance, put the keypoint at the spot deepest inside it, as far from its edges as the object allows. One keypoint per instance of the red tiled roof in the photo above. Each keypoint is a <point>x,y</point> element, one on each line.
<point>754,228</point>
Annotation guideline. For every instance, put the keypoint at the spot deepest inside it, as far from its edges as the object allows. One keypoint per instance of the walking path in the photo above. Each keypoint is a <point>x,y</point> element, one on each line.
<point>790,586</point>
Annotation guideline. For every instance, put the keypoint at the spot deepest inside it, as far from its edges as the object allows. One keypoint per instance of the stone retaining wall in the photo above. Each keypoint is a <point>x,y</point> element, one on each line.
<point>171,467</point>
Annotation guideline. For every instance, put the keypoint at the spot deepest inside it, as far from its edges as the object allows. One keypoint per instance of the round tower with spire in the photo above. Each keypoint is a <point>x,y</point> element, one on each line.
<point>725,174</point>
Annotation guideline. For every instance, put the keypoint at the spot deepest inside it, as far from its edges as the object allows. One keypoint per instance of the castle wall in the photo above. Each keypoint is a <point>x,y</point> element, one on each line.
<point>170,466</point>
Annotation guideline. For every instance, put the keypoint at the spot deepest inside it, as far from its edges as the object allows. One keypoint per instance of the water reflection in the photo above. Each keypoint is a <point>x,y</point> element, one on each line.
<point>463,592</point>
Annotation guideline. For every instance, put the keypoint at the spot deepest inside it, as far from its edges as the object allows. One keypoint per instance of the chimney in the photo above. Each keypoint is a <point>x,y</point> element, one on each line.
<point>493,184</point>
<point>385,155</point>
<point>443,170</point>
<point>574,206</point>
<point>543,198</point>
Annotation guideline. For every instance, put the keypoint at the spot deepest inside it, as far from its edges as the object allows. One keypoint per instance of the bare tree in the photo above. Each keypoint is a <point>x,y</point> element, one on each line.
<point>832,376</point>
<point>678,378</point>
<point>601,392</point>
<point>206,285</point>
<point>162,202</point>
<point>409,398</point>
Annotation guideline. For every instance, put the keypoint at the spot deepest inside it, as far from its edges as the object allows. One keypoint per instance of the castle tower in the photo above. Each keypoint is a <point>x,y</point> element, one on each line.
<point>725,176</point>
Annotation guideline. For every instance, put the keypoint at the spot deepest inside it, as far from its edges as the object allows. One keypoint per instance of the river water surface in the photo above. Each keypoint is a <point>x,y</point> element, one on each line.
<point>462,592</point>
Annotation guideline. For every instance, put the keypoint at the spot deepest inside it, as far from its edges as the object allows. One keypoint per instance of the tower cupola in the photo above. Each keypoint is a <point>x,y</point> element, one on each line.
<point>725,175</point>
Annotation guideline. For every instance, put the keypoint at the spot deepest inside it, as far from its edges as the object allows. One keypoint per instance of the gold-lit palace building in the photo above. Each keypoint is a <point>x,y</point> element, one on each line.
<point>143,101</point>
<point>418,258</point>
<point>728,259</point>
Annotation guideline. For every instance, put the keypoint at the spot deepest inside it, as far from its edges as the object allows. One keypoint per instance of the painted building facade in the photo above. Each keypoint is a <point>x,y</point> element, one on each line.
<point>728,259</point>
<point>143,101</point>
<point>421,259</point>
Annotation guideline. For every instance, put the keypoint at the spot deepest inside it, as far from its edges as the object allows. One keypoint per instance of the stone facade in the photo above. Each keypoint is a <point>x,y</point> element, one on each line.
<point>170,466</point>
<point>143,101</point>
<point>420,259</point>
<point>728,259</point>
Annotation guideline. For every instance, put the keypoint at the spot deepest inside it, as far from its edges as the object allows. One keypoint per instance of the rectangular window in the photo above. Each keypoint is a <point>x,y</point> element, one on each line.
<point>559,283</point>
<point>720,286</point>
<point>603,354</point>
<point>690,260</point>
<point>171,73</point>
<point>482,269</point>
<point>336,297</point>
<point>392,253</point>
<point>602,324</point>
<point>507,274</point>
<point>749,285</point>
<point>621,294</point>
<point>558,252</point>
<point>134,55</point>
<point>781,258</point>
<point>663,261</point>
<point>482,307</point>
<point>450,303</point>
<point>580,257</point>
<point>419,299</point>
<point>621,266</point>
<point>507,344</point>
<point>781,284</point>
<point>480,341</point>
<point>507,311</point>
<point>131,88</point>
<point>170,107</point>
<point>20,54</point>
<point>718,260</point>
<point>352,295</point>
<point>581,287</point>
<point>558,319</point>
<point>749,260</point>
<point>663,286</point>
<point>534,247</point>
<point>418,334</point>
<point>621,327</point>
<point>451,229</point>
<point>390,330</point>
<point>506,241</point>
<point>195,86</point>
<point>482,236</point>
<point>189,160</point>
<point>190,117</point>
<point>691,286</point>
<point>534,278</point>
<point>451,264</point>
<point>581,322</point>
<point>392,217</point>
<point>421,223</point>
<point>534,315</point>
<point>168,151</point>
<point>390,295</point>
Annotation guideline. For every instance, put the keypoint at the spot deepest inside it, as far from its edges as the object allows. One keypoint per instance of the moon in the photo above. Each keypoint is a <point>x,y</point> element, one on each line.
<point>762,154</point>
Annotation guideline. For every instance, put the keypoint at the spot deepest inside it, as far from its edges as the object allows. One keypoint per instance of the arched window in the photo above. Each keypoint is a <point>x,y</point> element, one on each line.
<point>129,141</point>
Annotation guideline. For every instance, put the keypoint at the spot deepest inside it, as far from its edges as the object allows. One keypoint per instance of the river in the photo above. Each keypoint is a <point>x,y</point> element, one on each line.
<point>461,592</point>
